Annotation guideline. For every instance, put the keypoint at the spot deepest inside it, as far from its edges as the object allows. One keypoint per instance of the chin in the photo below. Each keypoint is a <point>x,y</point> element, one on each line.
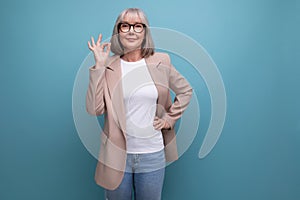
<point>132,48</point>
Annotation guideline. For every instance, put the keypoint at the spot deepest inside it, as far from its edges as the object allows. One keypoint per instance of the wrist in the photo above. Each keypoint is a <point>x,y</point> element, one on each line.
<point>166,125</point>
<point>99,65</point>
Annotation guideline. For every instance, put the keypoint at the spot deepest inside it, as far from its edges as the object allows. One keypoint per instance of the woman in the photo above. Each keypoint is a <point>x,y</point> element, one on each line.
<point>131,89</point>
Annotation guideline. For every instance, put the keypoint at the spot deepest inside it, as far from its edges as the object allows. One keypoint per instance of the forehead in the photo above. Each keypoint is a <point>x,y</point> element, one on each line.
<point>132,17</point>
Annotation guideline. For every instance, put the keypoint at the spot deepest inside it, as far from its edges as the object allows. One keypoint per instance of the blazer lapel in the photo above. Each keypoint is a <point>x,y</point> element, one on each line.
<point>114,82</point>
<point>156,74</point>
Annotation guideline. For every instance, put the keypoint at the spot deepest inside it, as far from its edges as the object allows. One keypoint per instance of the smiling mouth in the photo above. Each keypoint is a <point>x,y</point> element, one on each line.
<point>131,39</point>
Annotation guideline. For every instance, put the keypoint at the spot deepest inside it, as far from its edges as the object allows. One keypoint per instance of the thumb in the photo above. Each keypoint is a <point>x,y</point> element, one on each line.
<point>108,47</point>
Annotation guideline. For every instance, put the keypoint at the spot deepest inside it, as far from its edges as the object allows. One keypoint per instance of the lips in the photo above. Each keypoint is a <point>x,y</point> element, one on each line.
<point>131,39</point>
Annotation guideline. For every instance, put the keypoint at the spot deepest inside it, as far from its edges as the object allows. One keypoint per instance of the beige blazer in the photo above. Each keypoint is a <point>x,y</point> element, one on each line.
<point>105,96</point>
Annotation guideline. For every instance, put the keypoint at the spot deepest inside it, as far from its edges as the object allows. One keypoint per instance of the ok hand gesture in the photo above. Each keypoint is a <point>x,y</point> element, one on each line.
<point>100,53</point>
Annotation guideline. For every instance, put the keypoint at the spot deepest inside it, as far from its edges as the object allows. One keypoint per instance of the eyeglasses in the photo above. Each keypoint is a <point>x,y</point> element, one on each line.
<point>125,27</point>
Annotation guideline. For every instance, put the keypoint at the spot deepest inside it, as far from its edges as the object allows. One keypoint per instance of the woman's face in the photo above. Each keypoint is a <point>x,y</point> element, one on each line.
<point>131,36</point>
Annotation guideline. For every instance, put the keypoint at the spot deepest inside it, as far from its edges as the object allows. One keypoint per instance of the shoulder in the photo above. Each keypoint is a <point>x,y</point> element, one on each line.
<point>162,57</point>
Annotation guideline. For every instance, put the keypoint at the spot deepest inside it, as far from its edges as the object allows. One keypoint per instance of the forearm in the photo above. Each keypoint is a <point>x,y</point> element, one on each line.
<point>183,92</point>
<point>95,104</point>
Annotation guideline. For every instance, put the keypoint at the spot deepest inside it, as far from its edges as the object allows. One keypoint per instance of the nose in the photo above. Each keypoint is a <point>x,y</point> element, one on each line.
<point>131,29</point>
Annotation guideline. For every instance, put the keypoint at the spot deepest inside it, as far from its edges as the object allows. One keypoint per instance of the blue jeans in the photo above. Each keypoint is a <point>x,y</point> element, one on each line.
<point>143,178</point>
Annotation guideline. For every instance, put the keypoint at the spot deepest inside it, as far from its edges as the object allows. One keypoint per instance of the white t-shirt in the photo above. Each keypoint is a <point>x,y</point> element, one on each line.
<point>140,96</point>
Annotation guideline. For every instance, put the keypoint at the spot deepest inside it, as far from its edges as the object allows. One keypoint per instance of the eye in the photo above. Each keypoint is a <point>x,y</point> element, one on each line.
<point>138,26</point>
<point>125,26</point>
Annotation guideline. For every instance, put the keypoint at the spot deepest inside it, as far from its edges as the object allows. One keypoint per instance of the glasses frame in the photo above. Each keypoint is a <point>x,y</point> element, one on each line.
<point>131,25</point>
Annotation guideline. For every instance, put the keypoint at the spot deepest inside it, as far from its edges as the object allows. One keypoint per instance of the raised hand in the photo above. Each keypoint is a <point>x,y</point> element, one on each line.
<point>100,50</point>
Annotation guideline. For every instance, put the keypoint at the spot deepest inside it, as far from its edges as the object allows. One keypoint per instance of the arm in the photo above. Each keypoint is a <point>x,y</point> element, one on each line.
<point>95,103</point>
<point>183,92</point>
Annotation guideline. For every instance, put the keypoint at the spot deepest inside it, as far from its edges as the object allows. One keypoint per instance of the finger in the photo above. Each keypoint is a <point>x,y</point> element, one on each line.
<point>89,45</point>
<point>108,48</point>
<point>166,124</point>
<point>155,121</point>
<point>162,125</point>
<point>156,127</point>
<point>158,124</point>
<point>106,45</point>
<point>99,39</point>
<point>93,41</point>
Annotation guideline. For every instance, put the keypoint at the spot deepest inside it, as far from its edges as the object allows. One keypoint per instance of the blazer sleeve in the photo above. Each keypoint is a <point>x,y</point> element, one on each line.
<point>95,102</point>
<point>183,92</point>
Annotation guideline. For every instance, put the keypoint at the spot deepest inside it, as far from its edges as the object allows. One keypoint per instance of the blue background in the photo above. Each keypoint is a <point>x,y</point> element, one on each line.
<point>255,45</point>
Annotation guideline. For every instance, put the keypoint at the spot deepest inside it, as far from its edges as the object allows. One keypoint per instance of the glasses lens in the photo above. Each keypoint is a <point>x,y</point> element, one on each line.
<point>138,28</point>
<point>124,27</point>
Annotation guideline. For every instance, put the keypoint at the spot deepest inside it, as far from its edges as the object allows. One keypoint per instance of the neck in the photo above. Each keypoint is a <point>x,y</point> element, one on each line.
<point>133,56</point>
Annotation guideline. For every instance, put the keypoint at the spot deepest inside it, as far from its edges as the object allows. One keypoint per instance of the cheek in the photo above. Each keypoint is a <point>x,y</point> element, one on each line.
<point>121,36</point>
<point>122,39</point>
<point>142,37</point>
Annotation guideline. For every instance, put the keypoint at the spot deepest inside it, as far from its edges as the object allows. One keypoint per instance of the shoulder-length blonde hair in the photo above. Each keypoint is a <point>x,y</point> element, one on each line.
<point>147,45</point>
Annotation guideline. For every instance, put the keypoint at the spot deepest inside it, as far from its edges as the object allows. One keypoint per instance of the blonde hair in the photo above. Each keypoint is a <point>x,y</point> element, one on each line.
<point>147,45</point>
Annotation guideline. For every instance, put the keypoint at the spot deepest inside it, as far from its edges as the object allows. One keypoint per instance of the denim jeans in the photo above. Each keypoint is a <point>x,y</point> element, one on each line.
<point>143,178</point>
